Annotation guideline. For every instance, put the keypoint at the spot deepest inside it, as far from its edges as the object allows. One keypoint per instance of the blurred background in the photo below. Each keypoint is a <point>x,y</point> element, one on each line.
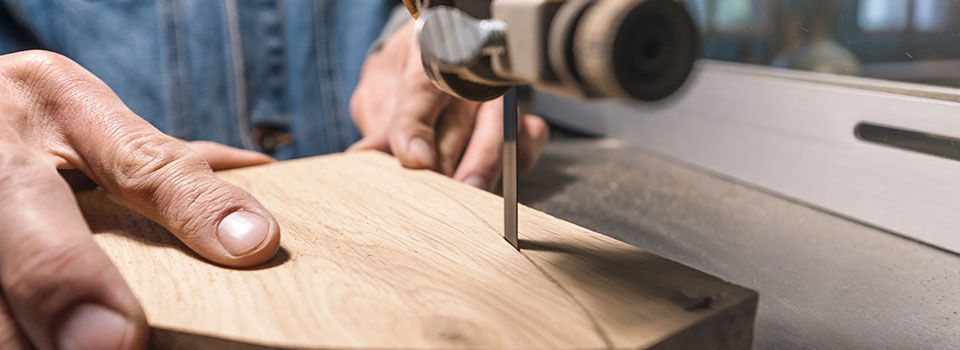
<point>905,40</point>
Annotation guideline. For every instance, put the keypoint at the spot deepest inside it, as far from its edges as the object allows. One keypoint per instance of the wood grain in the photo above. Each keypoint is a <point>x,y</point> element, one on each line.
<point>375,256</point>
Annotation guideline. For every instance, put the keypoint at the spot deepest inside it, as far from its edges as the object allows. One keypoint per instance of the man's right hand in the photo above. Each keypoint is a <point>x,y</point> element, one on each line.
<point>59,290</point>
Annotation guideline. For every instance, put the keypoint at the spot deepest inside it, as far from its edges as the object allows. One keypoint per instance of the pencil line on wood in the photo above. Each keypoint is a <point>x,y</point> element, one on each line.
<point>465,207</point>
<point>593,320</point>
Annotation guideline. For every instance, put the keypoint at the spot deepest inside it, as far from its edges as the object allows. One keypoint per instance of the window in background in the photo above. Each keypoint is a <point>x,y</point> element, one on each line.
<point>931,15</point>
<point>732,15</point>
<point>698,10</point>
<point>729,16</point>
<point>883,15</point>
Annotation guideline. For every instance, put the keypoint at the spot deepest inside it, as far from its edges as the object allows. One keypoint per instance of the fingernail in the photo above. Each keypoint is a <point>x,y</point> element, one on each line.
<point>476,181</point>
<point>419,149</point>
<point>242,231</point>
<point>91,326</point>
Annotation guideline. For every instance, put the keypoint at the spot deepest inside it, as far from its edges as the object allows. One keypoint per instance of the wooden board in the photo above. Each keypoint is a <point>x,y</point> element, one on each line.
<point>375,256</point>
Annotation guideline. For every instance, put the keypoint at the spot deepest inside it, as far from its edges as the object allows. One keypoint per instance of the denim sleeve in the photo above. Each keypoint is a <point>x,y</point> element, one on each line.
<point>176,62</point>
<point>13,37</point>
<point>358,24</point>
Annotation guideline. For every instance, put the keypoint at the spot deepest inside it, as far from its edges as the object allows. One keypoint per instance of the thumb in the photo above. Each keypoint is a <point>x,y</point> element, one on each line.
<point>154,174</point>
<point>412,136</point>
<point>166,181</point>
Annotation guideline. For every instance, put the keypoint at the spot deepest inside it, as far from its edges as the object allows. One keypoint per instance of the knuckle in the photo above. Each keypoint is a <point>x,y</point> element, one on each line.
<point>41,69</point>
<point>50,80</point>
<point>177,186</point>
<point>146,160</point>
<point>43,57</point>
<point>180,185</point>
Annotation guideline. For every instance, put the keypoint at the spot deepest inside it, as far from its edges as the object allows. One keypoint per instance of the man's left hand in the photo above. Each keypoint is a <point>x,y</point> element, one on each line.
<point>399,111</point>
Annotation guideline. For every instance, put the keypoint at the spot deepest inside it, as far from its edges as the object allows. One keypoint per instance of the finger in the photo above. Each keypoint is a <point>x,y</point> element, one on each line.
<point>480,165</point>
<point>62,289</point>
<point>532,137</point>
<point>412,131</point>
<point>10,335</point>
<point>163,179</point>
<point>375,142</point>
<point>159,176</point>
<point>222,157</point>
<point>452,133</point>
<point>419,104</point>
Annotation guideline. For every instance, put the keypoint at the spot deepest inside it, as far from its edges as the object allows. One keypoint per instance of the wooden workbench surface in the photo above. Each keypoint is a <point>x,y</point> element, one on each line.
<point>374,256</point>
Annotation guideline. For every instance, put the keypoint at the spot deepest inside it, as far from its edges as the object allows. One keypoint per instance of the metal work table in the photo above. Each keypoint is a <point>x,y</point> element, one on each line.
<point>824,281</point>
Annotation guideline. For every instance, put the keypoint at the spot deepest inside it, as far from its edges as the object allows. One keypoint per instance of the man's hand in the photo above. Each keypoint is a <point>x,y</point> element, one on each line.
<point>59,290</point>
<point>399,111</point>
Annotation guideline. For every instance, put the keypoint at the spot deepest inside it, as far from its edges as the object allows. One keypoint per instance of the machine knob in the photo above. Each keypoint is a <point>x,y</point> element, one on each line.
<point>451,38</point>
<point>640,49</point>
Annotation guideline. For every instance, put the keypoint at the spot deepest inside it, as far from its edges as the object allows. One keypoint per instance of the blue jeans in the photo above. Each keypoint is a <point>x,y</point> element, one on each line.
<point>263,74</point>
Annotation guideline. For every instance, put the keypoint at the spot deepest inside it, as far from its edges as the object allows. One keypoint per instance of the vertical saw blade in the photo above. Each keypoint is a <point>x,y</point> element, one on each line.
<point>510,126</point>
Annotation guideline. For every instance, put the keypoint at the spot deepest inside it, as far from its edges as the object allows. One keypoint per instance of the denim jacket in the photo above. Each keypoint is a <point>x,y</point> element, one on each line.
<point>273,75</point>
